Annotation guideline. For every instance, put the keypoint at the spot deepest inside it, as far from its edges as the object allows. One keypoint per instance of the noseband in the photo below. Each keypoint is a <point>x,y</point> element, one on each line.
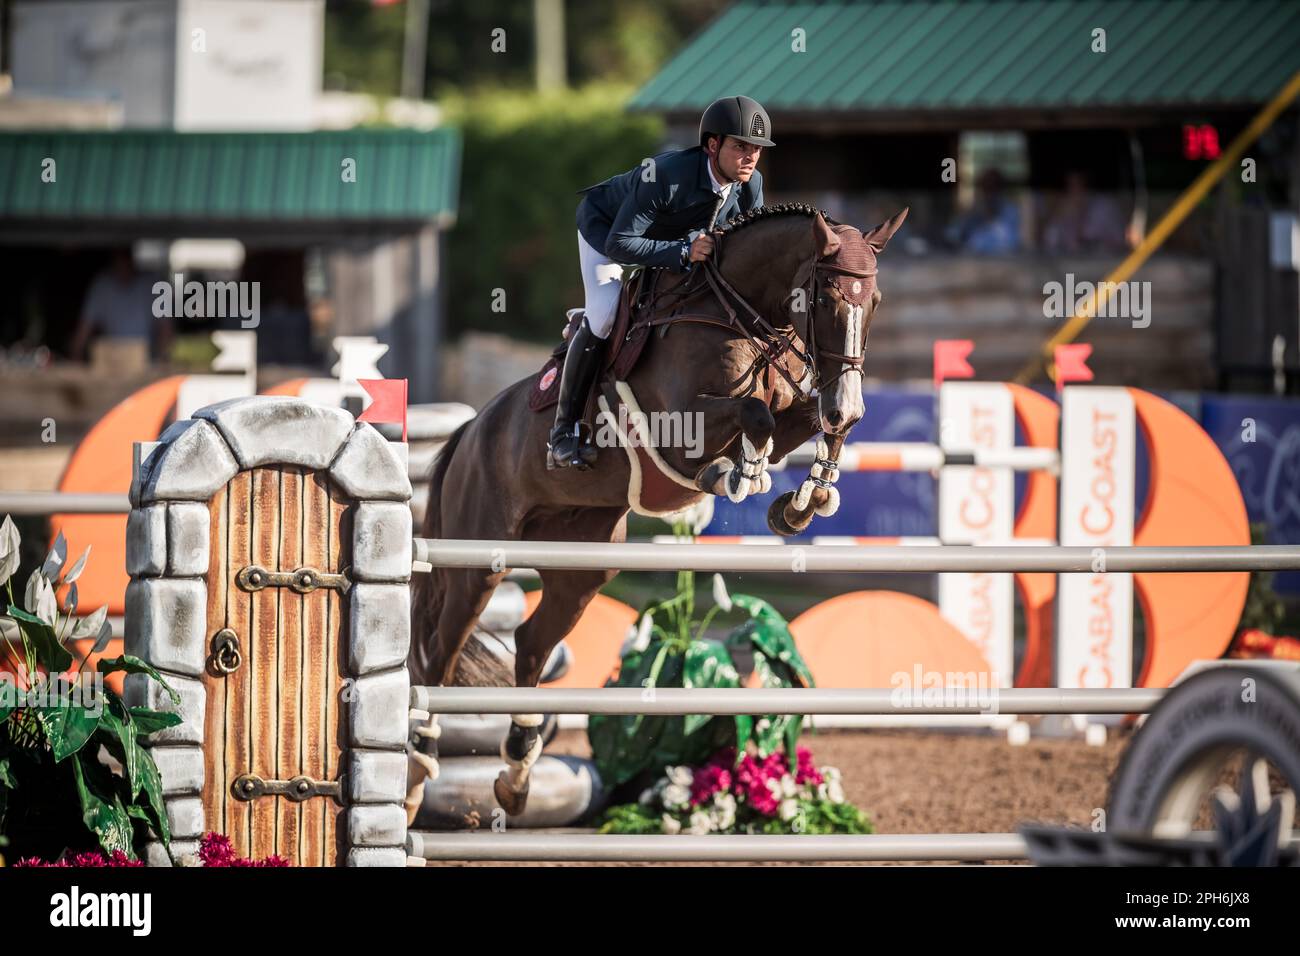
<point>849,363</point>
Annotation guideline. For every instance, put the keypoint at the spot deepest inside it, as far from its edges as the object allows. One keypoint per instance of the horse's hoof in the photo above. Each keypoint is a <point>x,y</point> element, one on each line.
<point>776,520</point>
<point>776,516</point>
<point>511,801</point>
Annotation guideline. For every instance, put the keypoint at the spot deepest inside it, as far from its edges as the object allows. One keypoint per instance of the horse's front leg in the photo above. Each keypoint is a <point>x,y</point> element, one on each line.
<point>745,471</point>
<point>791,513</point>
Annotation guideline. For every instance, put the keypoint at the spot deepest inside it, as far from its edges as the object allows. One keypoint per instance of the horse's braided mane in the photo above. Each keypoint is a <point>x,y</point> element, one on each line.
<point>767,212</point>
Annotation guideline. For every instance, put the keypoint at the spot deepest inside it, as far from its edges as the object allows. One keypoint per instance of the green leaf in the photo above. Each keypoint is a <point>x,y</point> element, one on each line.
<point>744,730</point>
<point>151,721</point>
<point>631,818</point>
<point>101,808</point>
<point>793,726</point>
<point>777,726</point>
<point>50,654</point>
<point>770,635</point>
<point>8,780</point>
<point>68,725</point>
<point>117,728</point>
<point>707,664</point>
<point>133,665</point>
<point>155,811</point>
<point>625,746</point>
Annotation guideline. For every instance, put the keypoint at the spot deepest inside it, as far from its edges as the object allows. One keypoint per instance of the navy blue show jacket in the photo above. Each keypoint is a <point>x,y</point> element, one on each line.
<point>636,222</point>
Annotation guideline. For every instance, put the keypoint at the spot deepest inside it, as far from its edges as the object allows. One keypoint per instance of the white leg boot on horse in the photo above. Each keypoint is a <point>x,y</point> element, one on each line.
<point>745,474</point>
<point>792,512</point>
<point>422,766</point>
<point>520,750</point>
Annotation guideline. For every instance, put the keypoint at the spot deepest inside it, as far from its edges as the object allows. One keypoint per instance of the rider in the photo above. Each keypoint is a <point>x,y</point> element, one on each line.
<point>659,214</point>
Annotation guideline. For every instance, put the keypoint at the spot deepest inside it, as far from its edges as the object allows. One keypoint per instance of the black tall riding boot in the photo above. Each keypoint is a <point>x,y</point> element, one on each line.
<point>570,444</point>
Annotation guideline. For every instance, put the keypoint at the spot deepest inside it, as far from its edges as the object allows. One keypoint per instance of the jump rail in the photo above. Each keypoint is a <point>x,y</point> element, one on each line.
<point>779,700</point>
<point>571,556</point>
<point>683,848</point>
<point>62,502</point>
<point>922,456</point>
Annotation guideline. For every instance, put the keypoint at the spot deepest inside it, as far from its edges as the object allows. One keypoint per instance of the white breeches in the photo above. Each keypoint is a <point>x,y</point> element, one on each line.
<point>602,280</point>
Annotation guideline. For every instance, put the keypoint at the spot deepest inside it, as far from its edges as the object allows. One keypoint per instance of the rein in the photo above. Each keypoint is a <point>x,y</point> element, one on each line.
<point>771,344</point>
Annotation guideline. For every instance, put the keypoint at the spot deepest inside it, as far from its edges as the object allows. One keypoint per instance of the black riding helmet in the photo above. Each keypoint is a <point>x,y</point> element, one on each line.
<point>737,116</point>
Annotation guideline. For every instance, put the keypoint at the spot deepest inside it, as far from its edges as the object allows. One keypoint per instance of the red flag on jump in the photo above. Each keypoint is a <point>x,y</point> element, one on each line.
<point>950,359</point>
<point>389,405</point>
<point>1072,364</point>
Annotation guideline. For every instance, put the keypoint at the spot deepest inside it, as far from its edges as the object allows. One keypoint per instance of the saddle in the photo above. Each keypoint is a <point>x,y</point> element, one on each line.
<point>626,342</point>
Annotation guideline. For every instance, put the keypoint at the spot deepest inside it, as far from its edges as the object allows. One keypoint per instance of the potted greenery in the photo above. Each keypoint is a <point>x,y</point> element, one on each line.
<point>74,775</point>
<point>705,774</point>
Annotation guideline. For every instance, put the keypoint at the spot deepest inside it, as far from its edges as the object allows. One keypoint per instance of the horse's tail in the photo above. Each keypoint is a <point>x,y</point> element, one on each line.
<point>478,665</point>
<point>427,589</point>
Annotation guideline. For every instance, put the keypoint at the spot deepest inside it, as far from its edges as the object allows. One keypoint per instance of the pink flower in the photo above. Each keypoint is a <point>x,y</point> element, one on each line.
<point>775,766</point>
<point>751,786</point>
<point>807,772</point>
<point>708,781</point>
<point>87,859</point>
<point>215,850</point>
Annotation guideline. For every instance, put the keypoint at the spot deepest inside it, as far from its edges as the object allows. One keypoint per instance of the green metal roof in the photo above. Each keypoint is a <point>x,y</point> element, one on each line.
<point>980,55</point>
<point>162,176</point>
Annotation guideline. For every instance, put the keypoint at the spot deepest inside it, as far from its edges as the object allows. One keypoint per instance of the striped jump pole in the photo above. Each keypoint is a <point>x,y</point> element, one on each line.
<point>923,456</point>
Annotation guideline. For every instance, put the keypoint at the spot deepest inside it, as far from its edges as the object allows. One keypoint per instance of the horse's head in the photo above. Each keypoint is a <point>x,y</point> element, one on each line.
<point>839,289</point>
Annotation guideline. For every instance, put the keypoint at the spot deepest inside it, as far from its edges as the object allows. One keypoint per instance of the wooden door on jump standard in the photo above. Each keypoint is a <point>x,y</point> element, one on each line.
<point>275,723</point>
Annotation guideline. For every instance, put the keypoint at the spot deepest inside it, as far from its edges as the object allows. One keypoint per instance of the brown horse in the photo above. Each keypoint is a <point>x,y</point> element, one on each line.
<point>762,346</point>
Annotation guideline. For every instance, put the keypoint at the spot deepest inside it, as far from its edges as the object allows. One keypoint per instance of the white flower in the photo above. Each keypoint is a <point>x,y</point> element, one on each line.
<point>641,637</point>
<point>830,773</point>
<point>724,810</point>
<point>647,797</point>
<point>835,792</point>
<point>670,824</point>
<point>701,825</point>
<point>789,809</point>
<point>720,596</point>
<point>676,797</point>
<point>788,786</point>
<point>774,788</point>
<point>762,724</point>
<point>696,517</point>
<point>682,776</point>
<point>39,598</point>
<point>9,549</point>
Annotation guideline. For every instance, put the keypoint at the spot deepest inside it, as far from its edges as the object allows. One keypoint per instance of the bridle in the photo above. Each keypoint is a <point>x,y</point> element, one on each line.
<point>771,344</point>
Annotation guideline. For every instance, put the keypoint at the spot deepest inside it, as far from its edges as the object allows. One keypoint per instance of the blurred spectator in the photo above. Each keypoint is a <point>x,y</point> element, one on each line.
<point>1083,222</point>
<point>992,226</point>
<point>118,315</point>
<point>284,331</point>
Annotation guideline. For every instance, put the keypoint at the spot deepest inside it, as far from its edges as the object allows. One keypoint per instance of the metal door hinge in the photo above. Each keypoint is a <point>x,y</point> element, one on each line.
<point>303,580</point>
<point>250,786</point>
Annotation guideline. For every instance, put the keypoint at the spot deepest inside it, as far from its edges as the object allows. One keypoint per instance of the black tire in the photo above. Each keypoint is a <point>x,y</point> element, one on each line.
<point>1175,758</point>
